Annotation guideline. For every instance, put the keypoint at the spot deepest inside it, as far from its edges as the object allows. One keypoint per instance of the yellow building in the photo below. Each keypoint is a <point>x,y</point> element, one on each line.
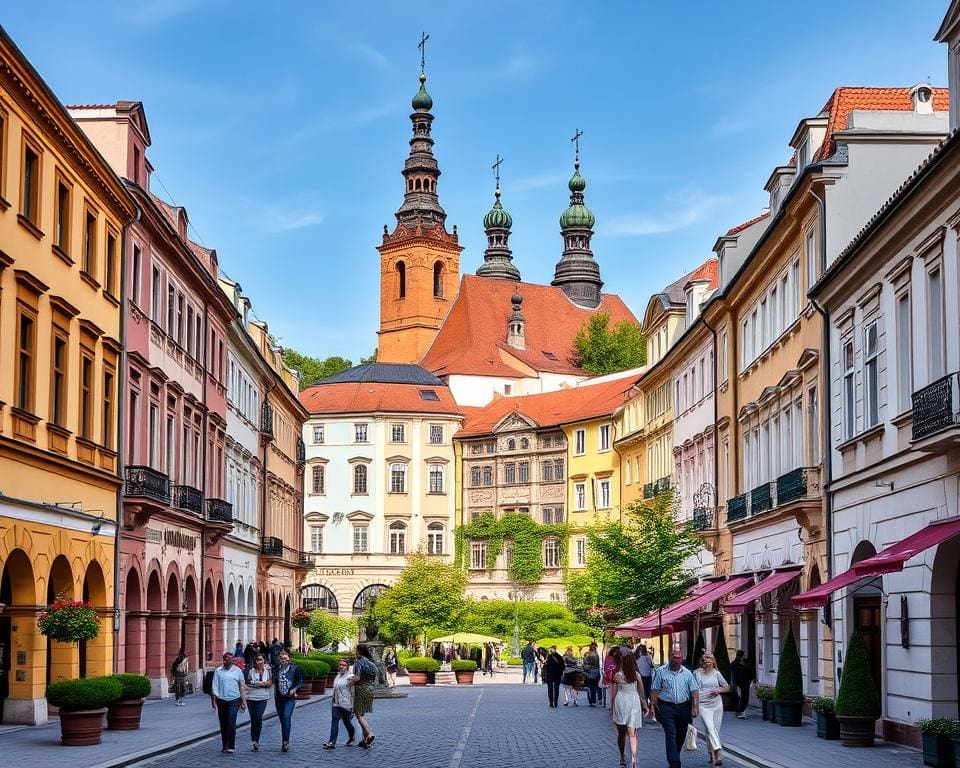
<point>62,217</point>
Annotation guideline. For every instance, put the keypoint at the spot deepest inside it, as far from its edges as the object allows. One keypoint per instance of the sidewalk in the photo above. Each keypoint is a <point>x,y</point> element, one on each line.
<point>163,728</point>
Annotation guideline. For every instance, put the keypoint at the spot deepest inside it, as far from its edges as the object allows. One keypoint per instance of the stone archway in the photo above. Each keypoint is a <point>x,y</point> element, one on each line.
<point>287,631</point>
<point>174,639</point>
<point>944,625</point>
<point>155,646</point>
<point>866,609</point>
<point>18,592</point>
<point>95,654</point>
<point>134,625</point>
<point>812,626</point>
<point>192,620</point>
<point>62,658</point>
<point>230,623</point>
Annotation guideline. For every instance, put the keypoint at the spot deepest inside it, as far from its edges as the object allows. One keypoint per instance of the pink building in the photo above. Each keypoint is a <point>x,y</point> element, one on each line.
<point>176,322</point>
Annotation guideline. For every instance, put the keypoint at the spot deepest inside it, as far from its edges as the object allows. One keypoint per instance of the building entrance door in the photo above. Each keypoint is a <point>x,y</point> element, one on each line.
<point>866,621</point>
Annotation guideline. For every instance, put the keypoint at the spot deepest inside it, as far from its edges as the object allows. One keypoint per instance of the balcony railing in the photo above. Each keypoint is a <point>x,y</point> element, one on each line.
<point>185,497</point>
<point>656,487</point>
<point>936,406</point>
<point>737,508</point>
<point>648,492</point>
<point>147,483</point>
<point>797,484</point>
<point>266,420</point>
<point>761,499</point>
<point>703,518</point>
<point>792,486</point>
<point>219,511</point>
<point>271,546</point>
<point>306,559</point>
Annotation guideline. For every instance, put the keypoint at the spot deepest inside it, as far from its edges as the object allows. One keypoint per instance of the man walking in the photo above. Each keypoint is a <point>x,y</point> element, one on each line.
<point>529,657</point>
<point>591,666</point>
<point>676,699</point>
<point>741,670</point>
<point>645,671</point>
<point>228,696</point>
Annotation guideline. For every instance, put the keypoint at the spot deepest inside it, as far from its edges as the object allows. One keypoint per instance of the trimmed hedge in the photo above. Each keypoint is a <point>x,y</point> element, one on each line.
<point>940,726</point>
<point>765,692</point>
<point>421,664</point>
<point>823,704</point>
<point>858,692</point>
<point>312,668</point>
<point>88,693</point>
<point>133,686</point>
<point>463,665</point>
<point>789,687</point>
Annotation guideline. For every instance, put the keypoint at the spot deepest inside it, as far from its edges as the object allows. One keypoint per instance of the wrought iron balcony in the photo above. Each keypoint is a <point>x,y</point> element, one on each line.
<point>147,483</point>
<point>271,546</point>
<point>703,519</point>
<point>185,497</point>
<point>792,486</point>
<point>761,499</point>
<point>737,508</point>
<point>648,490</point>
<point>266,420</point>
<point>306,559</point>
<point>219,511</point>
<point>936,407</point>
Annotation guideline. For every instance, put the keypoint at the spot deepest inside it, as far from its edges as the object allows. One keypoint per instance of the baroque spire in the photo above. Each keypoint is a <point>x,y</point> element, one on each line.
<point>498,258</point>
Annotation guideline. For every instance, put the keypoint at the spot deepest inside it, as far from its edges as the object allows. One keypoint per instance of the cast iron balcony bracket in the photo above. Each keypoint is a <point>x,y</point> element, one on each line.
<point>271,546</point>
<point>703,518</point>
<point>185,497</point>
<point>219,511</point>
<point>147,483</point>
<point>935,407</point>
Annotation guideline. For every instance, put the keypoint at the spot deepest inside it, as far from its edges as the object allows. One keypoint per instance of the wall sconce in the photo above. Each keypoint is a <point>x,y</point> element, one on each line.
<point>884,484</point>
<point>904,622</point>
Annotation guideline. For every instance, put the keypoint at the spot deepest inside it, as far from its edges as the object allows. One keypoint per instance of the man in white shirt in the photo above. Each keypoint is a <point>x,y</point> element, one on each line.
<point>228,696</point>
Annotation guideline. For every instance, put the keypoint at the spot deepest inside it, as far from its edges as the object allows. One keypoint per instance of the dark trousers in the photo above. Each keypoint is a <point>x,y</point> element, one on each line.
<point>285,714</point>
<point>340,714</point>
<point>647,681</point>
<point>742,692</point>
<point>256,709</point>
<point>674,718</point>
<point>227,713</point>
<point>553,692</point>
<point>592,683</point>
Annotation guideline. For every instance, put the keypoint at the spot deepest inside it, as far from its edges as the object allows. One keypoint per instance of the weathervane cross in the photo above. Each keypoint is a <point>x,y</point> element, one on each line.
<point>423,51</point>
<point>496,169</point>
<point>576,141</point>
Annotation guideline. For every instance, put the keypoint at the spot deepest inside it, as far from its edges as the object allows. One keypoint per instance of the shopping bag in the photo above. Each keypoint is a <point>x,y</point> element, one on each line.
<point>690,744</point>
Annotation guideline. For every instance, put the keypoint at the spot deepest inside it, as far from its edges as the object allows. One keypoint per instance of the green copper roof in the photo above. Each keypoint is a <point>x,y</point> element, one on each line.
<point>497,217</point>
<point>577,183</point>
<point>422,100</point>
<point>577,216</point>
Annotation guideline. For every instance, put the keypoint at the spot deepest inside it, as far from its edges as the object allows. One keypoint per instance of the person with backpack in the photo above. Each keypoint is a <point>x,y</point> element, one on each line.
<point>178,677</point>
<point>228,695</point>
<point>364,677</point>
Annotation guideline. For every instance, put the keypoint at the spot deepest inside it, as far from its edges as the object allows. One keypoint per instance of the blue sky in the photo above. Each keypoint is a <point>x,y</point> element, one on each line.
<point>284,133</point>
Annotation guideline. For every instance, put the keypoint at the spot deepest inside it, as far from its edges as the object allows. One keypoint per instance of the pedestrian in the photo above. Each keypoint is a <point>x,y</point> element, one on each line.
<point>259,683</point>
<point>645,670</point>
<point>529,658</point>
<point>552,675</point>
<point>538,669</point>
<point>488,659</point>
<point>627,707</point>
<point>289,680</point>
<point>571,668</point>
<point>610,666</point>
<point>342,705</point>
<point>228,695</point>
<point>591,666</point>
<point>250,654</point>
<point>275,649</point>
<point>712,684</point>
<point>238,650</point>
<point>363,678</point>
<point>675,696</point>
<point>390,665</point>
<point>742,672</point>
<point>179,670</point>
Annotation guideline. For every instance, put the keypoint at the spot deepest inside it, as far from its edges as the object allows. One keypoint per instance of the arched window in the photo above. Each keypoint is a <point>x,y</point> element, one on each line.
<point>317,596</point>
<point>373,591</point>
<point>419,185</point>
<point>438,280</point>
<point>524,443</point>
<point>360,479</point>
<point>398,538</point>
<point>401,280</point>
<point>410,185</point>
<point>511,445</point>
<point>435,539</point>
<point>398,478</point>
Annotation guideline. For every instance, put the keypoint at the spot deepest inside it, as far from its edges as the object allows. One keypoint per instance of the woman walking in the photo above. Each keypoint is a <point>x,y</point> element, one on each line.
<point>390,665</point>
<point>552,674</point>
<point>363,678</point>
<point>259,683</point>
<point>627,707</point>
<point>342,705</point>
<point>711,684</point>
<point>289,680</point>
<point>570,669</point>
<point>610,666</point>
<point>178,675</point>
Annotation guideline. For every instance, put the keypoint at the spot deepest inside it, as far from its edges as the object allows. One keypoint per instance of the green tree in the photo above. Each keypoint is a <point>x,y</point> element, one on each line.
<point>371,359</point>
<point>326,628</point>
<point>312,369</point>
<point>535,619</point>
<point>600,350</point>
<point>428,595</point>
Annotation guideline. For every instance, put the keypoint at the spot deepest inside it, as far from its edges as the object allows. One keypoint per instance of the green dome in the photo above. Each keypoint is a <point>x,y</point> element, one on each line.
<point>577,216</point>
<point>497,217</point>
<point>422,100</point>
<point>577,183</point>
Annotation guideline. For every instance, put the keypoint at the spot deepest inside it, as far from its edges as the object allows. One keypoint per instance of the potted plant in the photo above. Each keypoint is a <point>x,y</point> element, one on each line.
<point>828,727</point>
<point>788,692</point>
<point>69,621</point>
<point>124,714</point>
<point>418,667</point>
<point>936,734</point>
<point>82,704</point>
<point>765,695</point>
<point>463,670</point>
<point>332,661</point>
<point>300,618</point>
<point>858,704</point>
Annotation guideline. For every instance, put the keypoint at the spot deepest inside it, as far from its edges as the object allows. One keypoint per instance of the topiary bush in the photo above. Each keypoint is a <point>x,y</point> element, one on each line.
<point>421,664</point>
<point>789,685</point>
<point>312,668</point>
<point>463,665</point>
<point>88,693</point>
<point>133,686</point>
<point>721,655</point>
<point>699,647</point>
<point>858,692</point>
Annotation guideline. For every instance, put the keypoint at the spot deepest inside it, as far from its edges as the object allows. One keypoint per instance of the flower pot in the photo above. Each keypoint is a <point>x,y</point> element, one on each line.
<point>331,677</point>
<point>765,708</point>
<point>304,691</point>
<point>856,731</point>
<point>464,677</point>
<point>828,727</point>
<point>431,678</point>
<point>789,713</point>
<point>937,750</point>
<point>124,715</point>
<point>83,728</point>
<point>417,678</point>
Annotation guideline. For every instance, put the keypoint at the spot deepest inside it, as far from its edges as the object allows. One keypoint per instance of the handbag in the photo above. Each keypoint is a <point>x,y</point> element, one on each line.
<point>690,743</point>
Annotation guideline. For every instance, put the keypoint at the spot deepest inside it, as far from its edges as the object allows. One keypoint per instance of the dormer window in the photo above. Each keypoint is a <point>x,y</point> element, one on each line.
<point>922,96</point>
<point>803,156</point>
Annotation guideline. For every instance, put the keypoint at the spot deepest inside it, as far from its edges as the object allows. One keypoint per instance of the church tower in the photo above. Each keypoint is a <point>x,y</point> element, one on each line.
<point>419,260</point>
<point>498,259</point>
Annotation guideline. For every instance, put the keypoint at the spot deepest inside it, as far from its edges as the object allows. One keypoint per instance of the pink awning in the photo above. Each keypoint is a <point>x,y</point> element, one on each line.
<point>818,596</point>
<point>677,616</point>
<point>893,557</point>
<point>633,624</point>
<point>742,602</point>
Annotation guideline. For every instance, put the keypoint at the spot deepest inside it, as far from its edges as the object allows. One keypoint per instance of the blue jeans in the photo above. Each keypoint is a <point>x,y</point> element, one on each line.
<point>256,709</point>
<point>285,707</point>
<point>529,669</point>
<point>227,714</point>
<point>339,713</point>
<point>674,718</point>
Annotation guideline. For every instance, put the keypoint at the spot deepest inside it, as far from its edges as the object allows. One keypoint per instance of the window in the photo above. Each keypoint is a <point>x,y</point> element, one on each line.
<point>26,362</point>
<point>361,539</point>
<point>171,306</point>
<point>524,444</point>
<point>871,382</point>
<point>604,437</point>
<point>435,539</point>
<point>848,390</point>
<point>478,554</point>
<point>580,496</point>
<point>438,280</point>
<point>488,476</point>
<point>318,434</point>
<point>398,478</point>
<point>359,433</point>
<point>435,476</point>
<point>580,441</point>
<point>722,344</point>
<point>558,469</point>
<point>30,202</point>
<point>190,332</point>
<point>153,446</point>
<point>474,476</point>
<point>398,433</point>
<point>318,476</point>
<point>581,553</point>
<point>179,332</point>
<point>107,426</point>
<point>170,437</point>
<point>547,472</point>
<point>558,515</point>
<point>811,259</point>
<point>398,538</point>
<point>813,411</point>
<point>90,243</point>
<point>58,388</point>
<point>401,280</point>
<point>795,280</point>
<point>511,445</point>
<point>604,494</point>
<point>62,230</point>
<point>86,396</point>
<point>155,310</point>
<point>935,322</point>
<point>509,473</point>
<point>523,472</point>
<point>904,352</point>
<point>135,267</point>
<point>546,514</point>
<point>551,553</point>
<point>436,434</point>
<point>316,538</point>
<point>110,275</point>
<point>429,395</point>
<point>360,479</point>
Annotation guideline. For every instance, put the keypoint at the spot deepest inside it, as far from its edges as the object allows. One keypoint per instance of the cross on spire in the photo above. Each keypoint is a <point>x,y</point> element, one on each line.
<point>496,169</point>
<point>576,142</point>
<point>423,51</point>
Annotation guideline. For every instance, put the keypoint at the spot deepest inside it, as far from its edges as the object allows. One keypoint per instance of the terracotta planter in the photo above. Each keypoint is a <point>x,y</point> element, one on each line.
<point>124,715</point>
<point>937,750</point>
<point>417,678</point>
<point>431,678</point>
<point>330,678</point>
<point>464,677</point>
<point>828,727</point>
<point>857,731</point>
<point>83,728</point>
<point>319,685</point>
<point>789,713</point>
<point>305,691</point>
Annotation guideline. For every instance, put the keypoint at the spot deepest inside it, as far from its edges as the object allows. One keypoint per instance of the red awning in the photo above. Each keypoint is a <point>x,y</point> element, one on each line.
<point>744,600</point>
<point>677,616</point>
<point>818,596</point>
<point>629,626</point>
<point>893,557</point>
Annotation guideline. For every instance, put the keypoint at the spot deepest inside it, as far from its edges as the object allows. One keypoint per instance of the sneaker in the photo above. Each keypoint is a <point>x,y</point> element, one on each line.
<point>329,745</point>
<point>228,751</point>
<point>255,747</point>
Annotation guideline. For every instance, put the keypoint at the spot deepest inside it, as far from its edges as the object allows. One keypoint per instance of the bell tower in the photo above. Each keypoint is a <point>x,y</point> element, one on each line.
<point>419,260</point>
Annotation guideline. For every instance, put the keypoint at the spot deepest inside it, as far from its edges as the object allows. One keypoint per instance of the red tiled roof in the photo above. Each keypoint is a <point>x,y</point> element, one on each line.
<point>709,270</point>
<point>551,408</point>
<point>846,100</point>
<point>370,397</point>
<point>749,223</point>
<point>472,339</point>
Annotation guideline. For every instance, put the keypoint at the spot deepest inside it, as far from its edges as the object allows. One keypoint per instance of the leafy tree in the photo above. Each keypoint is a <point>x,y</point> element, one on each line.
<point>312,369</point>
<point>428,595</point>
<point>535,619</point>
<point>326,628</point>
<point>600,350</point>
<point>371,359</point>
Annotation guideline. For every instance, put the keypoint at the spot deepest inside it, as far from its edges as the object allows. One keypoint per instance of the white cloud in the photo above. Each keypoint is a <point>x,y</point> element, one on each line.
<point>276,221</point>
<point>683,209</point>
<point>333,124</point>
<point>519,63</point>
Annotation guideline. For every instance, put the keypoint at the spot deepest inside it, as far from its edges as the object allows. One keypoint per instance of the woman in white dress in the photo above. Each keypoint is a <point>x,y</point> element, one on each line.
<point>627,707</point>
<point>712,685</point>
